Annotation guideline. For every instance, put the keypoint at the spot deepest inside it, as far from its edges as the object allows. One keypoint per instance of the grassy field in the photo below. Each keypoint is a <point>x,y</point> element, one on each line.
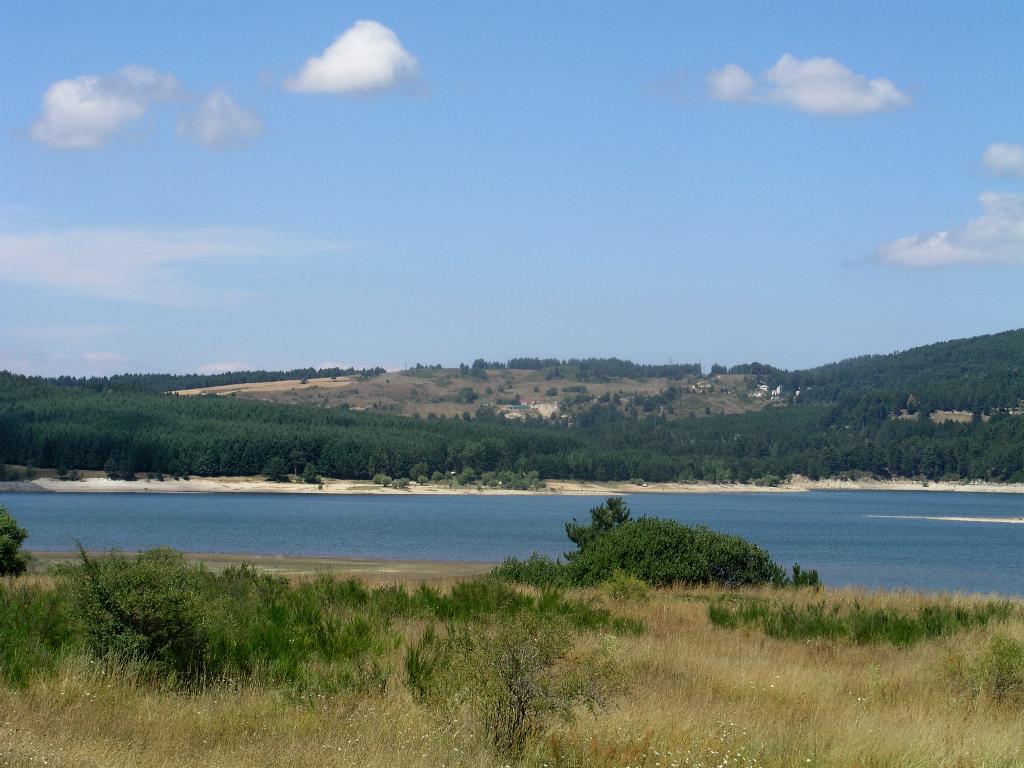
<point>438,391</point>
<point>691,691</point>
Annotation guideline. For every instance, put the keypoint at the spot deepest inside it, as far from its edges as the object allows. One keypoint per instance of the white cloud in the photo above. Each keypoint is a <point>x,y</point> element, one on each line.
<point>85,111</point>
<point>219,122</point>
<point>138,265</point>
<point>819,85</point>
<point>101,358</point>
<point>994,237</point>
<point>1004,159</point>
<point>366,57</point>
<point>730,83</point>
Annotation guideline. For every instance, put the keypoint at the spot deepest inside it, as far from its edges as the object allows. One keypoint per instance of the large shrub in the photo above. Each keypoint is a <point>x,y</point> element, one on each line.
<point>146,609</point>
<point>12,559</point>
<point>664,552</point>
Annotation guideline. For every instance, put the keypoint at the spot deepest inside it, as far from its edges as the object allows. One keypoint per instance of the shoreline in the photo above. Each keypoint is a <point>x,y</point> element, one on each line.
<point>307,565</point>
<point>331,487</point>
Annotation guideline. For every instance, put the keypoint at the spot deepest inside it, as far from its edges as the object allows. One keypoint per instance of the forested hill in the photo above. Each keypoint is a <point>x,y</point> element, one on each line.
<point>168,382</point>
<point>978,374</point>
<point>855,416</point>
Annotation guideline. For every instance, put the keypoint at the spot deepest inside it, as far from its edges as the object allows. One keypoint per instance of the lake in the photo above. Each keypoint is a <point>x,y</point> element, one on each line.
<point>836,532</point>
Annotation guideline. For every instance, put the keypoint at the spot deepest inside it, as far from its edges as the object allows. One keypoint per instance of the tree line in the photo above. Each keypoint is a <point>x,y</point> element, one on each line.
<point>46,425</point>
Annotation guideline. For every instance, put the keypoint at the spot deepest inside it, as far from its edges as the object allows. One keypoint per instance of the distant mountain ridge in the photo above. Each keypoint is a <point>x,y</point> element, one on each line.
<point>880,416</point>
<point>973,374</point>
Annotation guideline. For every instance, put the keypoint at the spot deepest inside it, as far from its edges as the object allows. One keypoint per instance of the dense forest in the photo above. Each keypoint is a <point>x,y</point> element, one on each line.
<point>865,415</point>
<point>979,374</point>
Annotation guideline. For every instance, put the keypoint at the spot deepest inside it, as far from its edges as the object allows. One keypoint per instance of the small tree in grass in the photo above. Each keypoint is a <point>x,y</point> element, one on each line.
<point>12,559</point>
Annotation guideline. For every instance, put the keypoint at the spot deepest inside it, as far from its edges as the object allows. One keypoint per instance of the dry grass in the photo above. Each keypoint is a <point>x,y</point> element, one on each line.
<point>435,391</point>
<point>698,695</point>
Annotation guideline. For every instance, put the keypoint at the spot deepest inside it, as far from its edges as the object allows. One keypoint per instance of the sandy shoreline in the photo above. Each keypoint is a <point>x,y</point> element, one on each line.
<point>553,487</point>
<point>302,565</point>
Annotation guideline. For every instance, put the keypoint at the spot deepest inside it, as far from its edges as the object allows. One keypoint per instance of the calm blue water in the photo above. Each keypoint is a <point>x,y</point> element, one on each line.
<point>830,531</point>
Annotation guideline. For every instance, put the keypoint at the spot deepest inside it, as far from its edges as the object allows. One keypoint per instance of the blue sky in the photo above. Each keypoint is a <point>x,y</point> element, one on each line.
<point>197,186</point>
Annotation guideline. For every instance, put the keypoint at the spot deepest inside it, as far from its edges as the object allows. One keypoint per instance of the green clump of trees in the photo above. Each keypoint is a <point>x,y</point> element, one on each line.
<point>664,552</point>
<point>657,552</point>
<point>13,560</point>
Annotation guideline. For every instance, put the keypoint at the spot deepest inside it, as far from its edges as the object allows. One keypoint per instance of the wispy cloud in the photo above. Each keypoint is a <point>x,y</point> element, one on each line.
<point>219,122</point>
<point>818,85</point>
<point>40,362</point>
<point>212,368</point>
<point>994,237</point>
<point>366,57</point>
<point>60,333</point>
<point>1004,159</point>
<point>138,265</point>
<point>85,111</point>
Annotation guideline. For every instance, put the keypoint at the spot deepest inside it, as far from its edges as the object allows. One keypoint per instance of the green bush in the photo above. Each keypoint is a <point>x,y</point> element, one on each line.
<point>655,552</point>
<point>147,609</point>
<point>627,588</point>
<point>802,578</point>
<point>381,479</point>
<point>537,571</point>
<point>13,560</point>
<point>663,552</point>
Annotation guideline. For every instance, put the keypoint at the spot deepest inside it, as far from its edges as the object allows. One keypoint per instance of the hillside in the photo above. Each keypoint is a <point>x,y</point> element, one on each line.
<point>980,374</point>
<point>554,392</point>
<point>614,421</point>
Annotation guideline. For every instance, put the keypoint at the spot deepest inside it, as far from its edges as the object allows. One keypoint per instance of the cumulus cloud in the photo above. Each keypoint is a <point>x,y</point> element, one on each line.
<point>138,265</point>
<point>730,83</point>
<point>818,85</point>
<point>994,237</point>
<point>366,57</point>
<point>85,111</point>
<point>1004,159</point>
<point>219,122</point>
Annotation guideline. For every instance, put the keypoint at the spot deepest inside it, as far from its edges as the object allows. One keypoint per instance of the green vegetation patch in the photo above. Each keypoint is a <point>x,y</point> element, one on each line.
<point>187,627</point>
<point>614,549</point>
<point>854,622</point>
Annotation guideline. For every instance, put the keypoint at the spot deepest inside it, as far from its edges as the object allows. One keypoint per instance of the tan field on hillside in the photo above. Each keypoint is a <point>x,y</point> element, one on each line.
<point>696,695</point>
<point>437,391</point>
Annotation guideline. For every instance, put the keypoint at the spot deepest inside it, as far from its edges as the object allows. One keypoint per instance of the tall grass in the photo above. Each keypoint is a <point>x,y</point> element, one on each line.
<point>187,627</point>
<point>37,625</point>
<point>697,695</point>
<point>852,621</point>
